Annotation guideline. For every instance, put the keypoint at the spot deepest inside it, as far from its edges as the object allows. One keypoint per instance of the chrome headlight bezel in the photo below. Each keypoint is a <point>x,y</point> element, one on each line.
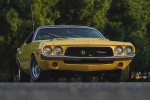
<point>58,50</point>
<point>128,50</point>
<point>118,51</point>
<point>47,50</point>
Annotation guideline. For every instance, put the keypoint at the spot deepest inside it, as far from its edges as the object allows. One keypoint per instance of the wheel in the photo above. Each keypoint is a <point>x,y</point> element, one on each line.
<point>118,76</point>
<point>19,75</point>
<point>36,73</point>
<point>124,74</point>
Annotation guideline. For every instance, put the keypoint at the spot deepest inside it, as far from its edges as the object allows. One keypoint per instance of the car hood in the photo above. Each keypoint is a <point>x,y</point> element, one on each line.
<point>84,41</point>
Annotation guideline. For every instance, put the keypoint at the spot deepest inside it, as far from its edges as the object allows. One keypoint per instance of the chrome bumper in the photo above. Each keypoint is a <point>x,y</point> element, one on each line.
<point>113,58</point>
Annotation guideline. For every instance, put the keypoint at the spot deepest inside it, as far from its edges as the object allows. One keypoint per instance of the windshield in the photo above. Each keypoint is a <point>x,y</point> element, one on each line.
<point>52,33</point>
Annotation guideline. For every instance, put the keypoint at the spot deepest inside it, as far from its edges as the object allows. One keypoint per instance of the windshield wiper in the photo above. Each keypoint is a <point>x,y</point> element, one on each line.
<point>54,35</point>
<point>76,35</point>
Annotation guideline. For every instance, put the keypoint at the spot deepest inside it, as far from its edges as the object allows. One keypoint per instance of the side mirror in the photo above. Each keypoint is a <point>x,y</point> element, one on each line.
<point>18,49</point>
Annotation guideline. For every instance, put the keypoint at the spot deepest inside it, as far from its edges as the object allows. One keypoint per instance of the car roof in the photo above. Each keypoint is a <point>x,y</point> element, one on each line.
<point>64,26</point>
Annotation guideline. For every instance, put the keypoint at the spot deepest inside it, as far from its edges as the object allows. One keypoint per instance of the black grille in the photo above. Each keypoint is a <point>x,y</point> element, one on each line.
<point>89,51</point>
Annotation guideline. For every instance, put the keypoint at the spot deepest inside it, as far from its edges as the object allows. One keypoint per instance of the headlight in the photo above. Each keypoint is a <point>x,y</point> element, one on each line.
<point>47,50</point>
<point>118,51</point>
<point>128,50</point>
<point>58,50</point>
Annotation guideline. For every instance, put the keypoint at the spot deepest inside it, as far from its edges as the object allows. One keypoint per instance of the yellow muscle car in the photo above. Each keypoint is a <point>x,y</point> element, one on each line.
<point>70,51</point>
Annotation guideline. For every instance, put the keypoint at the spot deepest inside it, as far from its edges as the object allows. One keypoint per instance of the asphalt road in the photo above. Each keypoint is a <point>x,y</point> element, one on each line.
<point>74,91</point>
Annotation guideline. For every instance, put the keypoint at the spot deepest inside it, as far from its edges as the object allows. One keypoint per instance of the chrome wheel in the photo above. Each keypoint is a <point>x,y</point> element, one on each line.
<point>16,75</point>
<point>36,73</point>
<point>19,75</point>
<point>35,70</point>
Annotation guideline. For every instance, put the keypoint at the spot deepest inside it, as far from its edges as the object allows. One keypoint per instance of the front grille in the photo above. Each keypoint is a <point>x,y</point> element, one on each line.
<point>89,51</point>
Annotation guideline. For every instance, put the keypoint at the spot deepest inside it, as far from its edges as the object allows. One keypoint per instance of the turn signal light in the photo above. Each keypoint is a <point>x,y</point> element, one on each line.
<point>120,64</point>
<point>54,64</point>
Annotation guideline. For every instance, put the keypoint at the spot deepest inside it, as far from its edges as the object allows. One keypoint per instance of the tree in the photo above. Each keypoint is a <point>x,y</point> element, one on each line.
<point>16,25</point>
<point>126,17</point>
<point>83,12</point>
<point>142,58</point>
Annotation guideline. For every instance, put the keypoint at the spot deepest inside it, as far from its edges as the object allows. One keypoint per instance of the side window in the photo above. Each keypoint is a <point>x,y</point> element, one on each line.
<point>29,38</point>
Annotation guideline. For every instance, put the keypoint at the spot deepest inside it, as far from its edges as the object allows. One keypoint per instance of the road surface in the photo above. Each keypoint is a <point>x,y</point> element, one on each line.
<point>74,91</point>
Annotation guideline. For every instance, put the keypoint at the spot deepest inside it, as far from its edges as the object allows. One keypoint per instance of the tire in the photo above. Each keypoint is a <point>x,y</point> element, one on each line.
<point>124,74</point>
<point>36,74</point>
<point>118,76</point>
<point>19,75</point>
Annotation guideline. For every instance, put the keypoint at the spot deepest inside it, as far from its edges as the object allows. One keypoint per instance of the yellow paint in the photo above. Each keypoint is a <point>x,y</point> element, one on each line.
<point>24,56</point>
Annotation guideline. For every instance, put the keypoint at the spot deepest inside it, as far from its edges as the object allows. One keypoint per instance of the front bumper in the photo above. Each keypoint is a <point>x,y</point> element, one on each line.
<point>47,61</point>
<point>113,58</point>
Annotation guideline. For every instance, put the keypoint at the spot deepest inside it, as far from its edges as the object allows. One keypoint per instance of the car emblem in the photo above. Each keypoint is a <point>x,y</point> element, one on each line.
<point>101,52</point>
<point>82,52</point>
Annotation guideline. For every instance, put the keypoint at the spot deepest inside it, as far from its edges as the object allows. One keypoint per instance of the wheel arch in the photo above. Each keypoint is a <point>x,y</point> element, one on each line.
<point>32,55</point>
<point>37,57</point>
<point>31,59</point>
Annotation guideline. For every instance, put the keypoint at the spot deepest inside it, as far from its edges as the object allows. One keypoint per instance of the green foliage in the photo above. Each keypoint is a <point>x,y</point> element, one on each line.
<point>44,12</point>
<point>83,12</point>
<point>7,61</point>
<point>13,20</point>
<point>142,59</point>
<point>126,17</point>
